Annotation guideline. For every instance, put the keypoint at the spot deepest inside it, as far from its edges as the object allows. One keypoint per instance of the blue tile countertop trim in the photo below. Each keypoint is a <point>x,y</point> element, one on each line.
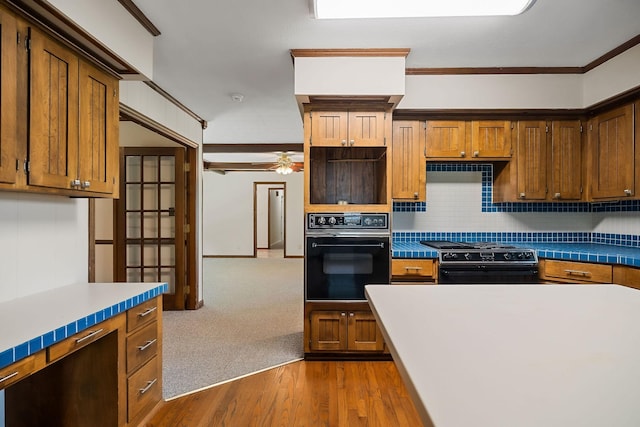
<point>34,322</point>
<point>571,247</point>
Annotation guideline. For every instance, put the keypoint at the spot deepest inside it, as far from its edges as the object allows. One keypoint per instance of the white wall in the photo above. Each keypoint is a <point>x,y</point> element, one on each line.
<point>228,212</point>
<point>522,91</point>
<point>43,243</point>
<point>130,41</point>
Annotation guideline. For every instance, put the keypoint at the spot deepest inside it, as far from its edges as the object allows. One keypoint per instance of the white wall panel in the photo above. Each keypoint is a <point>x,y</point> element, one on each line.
<point>615,76</point>
<point>43,243</point>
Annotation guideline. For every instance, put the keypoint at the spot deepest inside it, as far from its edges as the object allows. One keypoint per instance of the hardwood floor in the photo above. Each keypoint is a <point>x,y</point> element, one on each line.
<point>298,394</point>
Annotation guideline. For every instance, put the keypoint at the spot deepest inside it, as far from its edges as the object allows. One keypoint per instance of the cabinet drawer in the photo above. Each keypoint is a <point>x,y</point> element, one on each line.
<point>142,346</point>
<point>81,339</point>
<point>412,269</point>
<point>143,389</point>
<point>580,272</point>
<point>626,276</point>
<point>142,314</point>
<point>21,369</point>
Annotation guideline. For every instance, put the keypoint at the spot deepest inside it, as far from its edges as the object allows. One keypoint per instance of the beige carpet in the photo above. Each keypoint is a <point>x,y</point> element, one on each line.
<point>251,320</point>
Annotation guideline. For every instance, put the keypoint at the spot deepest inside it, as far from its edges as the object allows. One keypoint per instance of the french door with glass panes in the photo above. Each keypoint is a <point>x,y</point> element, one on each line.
<point>151,220</point>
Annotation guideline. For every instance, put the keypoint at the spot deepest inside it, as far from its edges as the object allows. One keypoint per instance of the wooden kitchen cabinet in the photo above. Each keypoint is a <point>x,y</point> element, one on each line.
<point>414,270</point>
<point>344,330</point>
<point>468,140</point>
<point>63,115</point>
<point>547,165</point>
<point>9,161</point>
<point>409,165</point>
<point>612,154</point>
<point>347,128</point>
<point>626,276</point>
<point>556,271</point>
<point>107,375</point>
<point>352,176</point>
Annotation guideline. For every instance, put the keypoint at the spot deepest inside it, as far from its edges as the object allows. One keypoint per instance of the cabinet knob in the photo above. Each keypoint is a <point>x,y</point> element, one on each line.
<point>344,142</point>
<point>85,184</point>
<point>352,142</point>
<point>556,196</point>
<point>523,195</point>
<point>627,192</point>
<point>462,154</point>
<point>75,183</point>
<point>476,154</point>
<point>351,314</point>
<point>343,314</point>
<point>415,195</point>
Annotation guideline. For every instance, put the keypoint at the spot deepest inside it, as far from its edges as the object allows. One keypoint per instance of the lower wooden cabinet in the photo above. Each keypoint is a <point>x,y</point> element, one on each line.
<point>626,276</point>
<point>414,270</point>
<point>107,375</point>
<point>344,329</point>
<point>575,272</point>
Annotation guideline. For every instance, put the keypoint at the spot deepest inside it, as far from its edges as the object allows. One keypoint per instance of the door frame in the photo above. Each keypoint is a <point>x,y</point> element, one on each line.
<point>280,184</point>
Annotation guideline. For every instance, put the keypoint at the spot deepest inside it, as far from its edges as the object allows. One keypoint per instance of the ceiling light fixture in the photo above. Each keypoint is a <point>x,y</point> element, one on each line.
<point>339,9</point>
<point>284,164</point>
<point>237,97</point>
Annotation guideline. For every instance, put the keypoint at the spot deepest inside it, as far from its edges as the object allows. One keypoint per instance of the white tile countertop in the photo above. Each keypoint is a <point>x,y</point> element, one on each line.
<point>34,322</point>
<point>515,355</point>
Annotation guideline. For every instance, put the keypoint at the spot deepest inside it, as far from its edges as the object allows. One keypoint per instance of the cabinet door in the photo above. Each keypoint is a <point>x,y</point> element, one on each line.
<point>611,134</point>
<point>409,169</point>
<point>531,158</point>
<point>566,160</point>
<point>328,330</point>
<point>53,139</point>
<point>329,128</point>
<point>491,138</point>
<point>98,130</point>
<point>366,128</point>
<point>363,332</point>
<point>446,139</point>
<point>8,101</point>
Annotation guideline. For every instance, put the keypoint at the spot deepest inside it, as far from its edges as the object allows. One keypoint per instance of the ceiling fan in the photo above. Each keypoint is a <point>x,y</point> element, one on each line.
<point>285,165</point>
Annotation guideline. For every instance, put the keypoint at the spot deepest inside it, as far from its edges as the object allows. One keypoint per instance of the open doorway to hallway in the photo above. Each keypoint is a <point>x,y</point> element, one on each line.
<point>269,219</point>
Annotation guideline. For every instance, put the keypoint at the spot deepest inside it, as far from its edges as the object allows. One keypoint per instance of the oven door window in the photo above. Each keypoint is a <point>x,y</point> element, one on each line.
<point>338,268</point>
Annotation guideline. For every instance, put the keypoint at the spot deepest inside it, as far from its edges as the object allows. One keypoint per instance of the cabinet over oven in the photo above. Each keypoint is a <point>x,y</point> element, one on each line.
<point>343,253</point>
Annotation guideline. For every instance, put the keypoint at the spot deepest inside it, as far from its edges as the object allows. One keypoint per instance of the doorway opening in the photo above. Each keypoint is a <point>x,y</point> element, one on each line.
<point>269,201</point>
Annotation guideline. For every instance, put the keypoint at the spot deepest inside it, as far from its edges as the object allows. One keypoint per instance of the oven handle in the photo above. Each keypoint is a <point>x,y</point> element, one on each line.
<point>320,245</point>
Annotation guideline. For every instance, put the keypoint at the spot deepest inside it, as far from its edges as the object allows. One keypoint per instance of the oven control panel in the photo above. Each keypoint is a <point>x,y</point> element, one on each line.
<point>348,221</point>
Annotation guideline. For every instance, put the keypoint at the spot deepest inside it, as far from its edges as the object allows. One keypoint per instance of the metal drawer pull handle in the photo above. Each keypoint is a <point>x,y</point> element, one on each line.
<point>8,377</point>
<point>147,344</point>
<point>318,245</point>
<point>578,273</point>
<point>148,386</point>
<point>147,312</point>
<point>89,335</point>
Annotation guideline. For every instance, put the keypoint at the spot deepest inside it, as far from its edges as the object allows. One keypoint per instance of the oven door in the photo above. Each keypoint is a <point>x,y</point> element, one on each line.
<point>338,268</point>
<point>482,274</point>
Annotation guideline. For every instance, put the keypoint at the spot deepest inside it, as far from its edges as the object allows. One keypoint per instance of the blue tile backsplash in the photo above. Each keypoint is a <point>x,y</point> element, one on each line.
<point>489,206</point>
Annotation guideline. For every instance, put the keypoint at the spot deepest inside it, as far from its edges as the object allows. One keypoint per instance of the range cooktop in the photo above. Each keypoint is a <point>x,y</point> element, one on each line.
<point>448,244</point>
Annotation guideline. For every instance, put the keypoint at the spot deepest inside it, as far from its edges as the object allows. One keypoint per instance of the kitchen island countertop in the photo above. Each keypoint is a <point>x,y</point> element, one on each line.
<point>515,355</point>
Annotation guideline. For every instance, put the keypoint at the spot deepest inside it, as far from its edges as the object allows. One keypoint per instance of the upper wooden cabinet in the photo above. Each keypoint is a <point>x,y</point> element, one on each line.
<point>468,140</point>
<point>9,163</point>
<point>348,128</point>
<point>547,164</point>
<point>347,161</point>
<point>53,123</point>
<point>60,126</point>
<point>98,131</point>
<point>613,154</point>
<point>566,161</point>
<point>409,168</point>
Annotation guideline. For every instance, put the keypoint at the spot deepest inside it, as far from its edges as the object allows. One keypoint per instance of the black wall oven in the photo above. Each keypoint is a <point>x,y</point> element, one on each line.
<point>345,252</point>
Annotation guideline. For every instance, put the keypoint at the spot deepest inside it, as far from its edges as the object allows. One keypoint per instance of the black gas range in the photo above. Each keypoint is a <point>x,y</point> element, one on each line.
<point>484,263</point>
